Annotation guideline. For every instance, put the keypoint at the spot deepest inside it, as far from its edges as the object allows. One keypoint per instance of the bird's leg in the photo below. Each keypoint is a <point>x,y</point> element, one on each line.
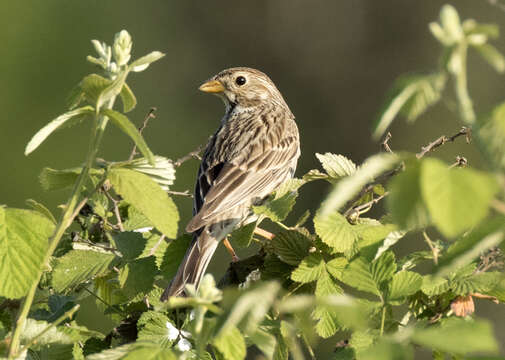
<point>263,233</point>
<point>228,247</point>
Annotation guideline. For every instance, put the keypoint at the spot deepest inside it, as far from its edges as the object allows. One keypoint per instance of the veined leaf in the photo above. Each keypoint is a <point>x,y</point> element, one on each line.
<point>457,199</point>
<point>291,246</point>
<point>123,123</point>
<point>335,231</point>
<point>231,344</point>
<point>52,179</point>
<point>145,195</point>
<point>243,235</point>
<point>47,130</point>
<point>279,204</point>
<point>137,276</point>
<point>388,350</point>
<point>173,255</point>
<point>310,269</point>
<point>411,96</point>
<point>163,171</point>
<point>23,243</point>
<point>350,186</point>
<point>33,328</point>
<point>403,284</point>
<point>157,328</point>
<point>78,266</point>
<point>336,166</point>
<point>41,209</point>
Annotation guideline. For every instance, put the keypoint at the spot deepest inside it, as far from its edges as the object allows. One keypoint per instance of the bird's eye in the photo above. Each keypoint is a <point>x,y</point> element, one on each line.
<point>240,80</point>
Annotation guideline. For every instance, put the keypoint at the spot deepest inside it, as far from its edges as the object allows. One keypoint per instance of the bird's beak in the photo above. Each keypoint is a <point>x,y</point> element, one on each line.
<point>212,86</point>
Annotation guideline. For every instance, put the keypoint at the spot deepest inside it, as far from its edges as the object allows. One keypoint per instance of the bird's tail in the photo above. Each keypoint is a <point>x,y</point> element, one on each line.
<point>194,264</point>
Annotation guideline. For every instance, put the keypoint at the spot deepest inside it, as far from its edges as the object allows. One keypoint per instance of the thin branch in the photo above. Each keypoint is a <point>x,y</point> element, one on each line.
<point>195,154</point>
<point>180,193</point>
<point>158,243</point>
<point>150,115</point>
<point>464,131</point>
<point>385,143</point>
<point>461,161</point>
<point>116,210</point>
<point>363,208</point>
<point>433,249</point>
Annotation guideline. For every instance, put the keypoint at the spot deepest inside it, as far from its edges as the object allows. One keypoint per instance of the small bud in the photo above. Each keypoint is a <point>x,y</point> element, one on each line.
<point>122,47</point>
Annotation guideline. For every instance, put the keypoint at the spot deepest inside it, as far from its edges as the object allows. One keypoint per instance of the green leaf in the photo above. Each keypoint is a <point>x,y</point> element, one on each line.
<point>472,245</point>
<point>243,235</point>
<point>173,255</point>
<point>47,130</point>
<point>480,282</point>
<point>458,336</point>
<point>78,266</point>
<point>370,277</point>
<point>411,96</point>
<point>136,220</point>
<point>336,166</point>
<point>144,61</point>
<point>52,179</point>
<point>149,351</point>
<point>163,171</point>
<point>156,328</point>
<point>137,277</point>
<point>128,98</point>
<point>310,269</point>
<point>336,266</point>
<point>404,283</point>
<point>231,344</point>
<point>358,275</point>
<point>23,243</point>
<point>387,350</point>
<point>434,285</point>
<point>41,209</point>
<point>279,204</point>
<point>350,186</point>
<point>405,199</point>
<point>130,244</point>
<point>113,89</point>
<point>335,231</point>
<point>33,328</point>
<point>143,193</point>
<point>291,246</point>
<point>250,308</point>
<point>457,199</point>
<point>492,133</point>
<point>492,56</point>
<point>123,123</point>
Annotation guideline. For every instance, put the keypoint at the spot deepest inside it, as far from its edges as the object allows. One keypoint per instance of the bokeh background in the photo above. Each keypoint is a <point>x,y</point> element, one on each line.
<point>333,60</point>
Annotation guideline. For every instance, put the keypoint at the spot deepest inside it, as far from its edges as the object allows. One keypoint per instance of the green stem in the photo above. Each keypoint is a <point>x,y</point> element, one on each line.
<point>383,320</point>
<point>466,110</point>
<point>66,220</point>
<point>58,321</point>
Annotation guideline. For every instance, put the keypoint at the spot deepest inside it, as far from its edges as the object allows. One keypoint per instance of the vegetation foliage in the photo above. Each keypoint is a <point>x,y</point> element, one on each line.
<point>118,242</point>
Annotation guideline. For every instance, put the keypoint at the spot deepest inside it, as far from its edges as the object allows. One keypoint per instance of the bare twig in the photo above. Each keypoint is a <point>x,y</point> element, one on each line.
<point>180,193</point>
<point>158,243</point>
<point>363,208</point>
<point>150,115</point>
<point>464,131</point>
<point>433,249</point>
<point>116,210</point>
<point>460,162</point>
<point>195,154</point>
<point>385,143</point>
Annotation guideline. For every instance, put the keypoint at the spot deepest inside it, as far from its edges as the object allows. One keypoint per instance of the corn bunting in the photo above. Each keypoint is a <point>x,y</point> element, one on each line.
<point>254,150</point>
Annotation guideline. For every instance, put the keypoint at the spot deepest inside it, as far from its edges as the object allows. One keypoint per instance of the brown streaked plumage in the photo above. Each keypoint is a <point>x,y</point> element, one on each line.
<point>254,150</point>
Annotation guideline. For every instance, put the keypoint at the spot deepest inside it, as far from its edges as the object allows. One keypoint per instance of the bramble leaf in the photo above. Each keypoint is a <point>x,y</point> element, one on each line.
<point>23,243</point>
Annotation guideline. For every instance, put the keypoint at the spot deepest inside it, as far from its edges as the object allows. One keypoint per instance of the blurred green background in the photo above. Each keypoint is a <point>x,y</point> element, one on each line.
<point>334,61</point>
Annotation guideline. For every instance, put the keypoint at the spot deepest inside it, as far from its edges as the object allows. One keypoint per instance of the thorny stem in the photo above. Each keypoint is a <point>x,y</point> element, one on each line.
<point>149,115</point>
<point>383,319</point>
<point>100,121</point>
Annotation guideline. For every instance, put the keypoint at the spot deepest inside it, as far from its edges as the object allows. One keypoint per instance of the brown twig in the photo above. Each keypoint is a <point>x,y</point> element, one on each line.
<point>435,251</point>
<point>464,131</point>
<point>150,115</point>
<point>195,154</point>
<point>116,210</point>
<point>363,208</point>
<point>460,162</point>
<point>180,193</point>
<point>158,243</point>
<point>385,143</point>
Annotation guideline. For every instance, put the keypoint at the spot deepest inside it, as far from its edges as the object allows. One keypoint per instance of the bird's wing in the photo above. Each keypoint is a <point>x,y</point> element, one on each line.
<point>261,169</point>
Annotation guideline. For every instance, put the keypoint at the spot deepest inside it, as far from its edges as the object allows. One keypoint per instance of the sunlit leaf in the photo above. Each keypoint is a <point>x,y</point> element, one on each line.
<point>336,166</point>
<point>23,243</point>
<point>42,134</point>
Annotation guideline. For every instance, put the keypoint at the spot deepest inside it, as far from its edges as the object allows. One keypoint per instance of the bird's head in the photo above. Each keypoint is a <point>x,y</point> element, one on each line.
<point>244,87</point>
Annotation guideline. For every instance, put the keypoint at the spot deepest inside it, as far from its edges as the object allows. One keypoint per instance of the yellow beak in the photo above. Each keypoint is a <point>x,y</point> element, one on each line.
<point>212,86</point>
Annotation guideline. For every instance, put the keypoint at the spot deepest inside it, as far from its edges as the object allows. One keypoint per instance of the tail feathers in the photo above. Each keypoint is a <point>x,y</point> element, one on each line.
<point>193,266</point>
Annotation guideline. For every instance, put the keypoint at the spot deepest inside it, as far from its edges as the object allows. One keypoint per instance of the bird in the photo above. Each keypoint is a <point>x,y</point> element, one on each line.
<point>254,150</point>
